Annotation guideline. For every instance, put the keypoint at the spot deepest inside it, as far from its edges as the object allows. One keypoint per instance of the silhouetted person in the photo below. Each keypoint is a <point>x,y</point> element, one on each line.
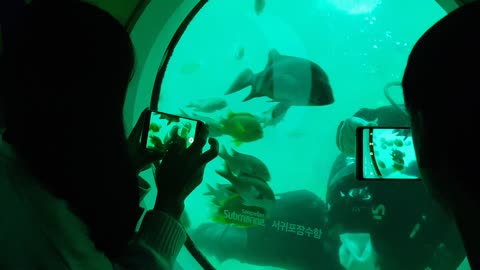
<point>69,75</point>
<point>440,87</point>
<point>69,192</point>
<point>10,14</point>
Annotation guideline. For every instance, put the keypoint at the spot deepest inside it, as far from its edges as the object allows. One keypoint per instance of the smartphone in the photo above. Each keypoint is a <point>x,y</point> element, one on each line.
<point>385,153</point>
<point>158,127</point>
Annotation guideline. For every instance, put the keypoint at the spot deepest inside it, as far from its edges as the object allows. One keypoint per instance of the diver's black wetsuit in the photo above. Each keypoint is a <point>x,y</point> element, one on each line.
<point>406,226</point>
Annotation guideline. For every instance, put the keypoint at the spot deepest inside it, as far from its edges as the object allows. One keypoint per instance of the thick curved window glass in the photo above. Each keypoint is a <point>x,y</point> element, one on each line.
<point>283,86</point>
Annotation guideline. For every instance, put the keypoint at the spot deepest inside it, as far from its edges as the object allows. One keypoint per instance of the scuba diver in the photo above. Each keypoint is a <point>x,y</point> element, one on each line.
<point>274,244</point>
<point>362,224</point>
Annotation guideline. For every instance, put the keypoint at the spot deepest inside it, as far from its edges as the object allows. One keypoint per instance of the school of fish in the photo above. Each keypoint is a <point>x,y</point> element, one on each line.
<point>287,81</point>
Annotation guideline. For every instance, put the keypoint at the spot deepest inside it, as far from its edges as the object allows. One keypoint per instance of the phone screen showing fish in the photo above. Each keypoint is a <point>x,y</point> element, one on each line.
<point>385,153</point>
<point>159,128</point>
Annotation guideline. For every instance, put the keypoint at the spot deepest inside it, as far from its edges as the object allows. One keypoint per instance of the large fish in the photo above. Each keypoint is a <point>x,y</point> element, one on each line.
<point>242,164</point>
<point>254,191</point>
<point>297,81</point>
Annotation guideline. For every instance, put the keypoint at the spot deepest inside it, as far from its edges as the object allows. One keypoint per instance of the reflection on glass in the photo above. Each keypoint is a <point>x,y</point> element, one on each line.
<point>274,80</point>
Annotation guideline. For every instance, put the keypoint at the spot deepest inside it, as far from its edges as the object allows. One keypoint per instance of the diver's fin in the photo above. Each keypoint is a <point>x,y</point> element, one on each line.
<point>244,79</point>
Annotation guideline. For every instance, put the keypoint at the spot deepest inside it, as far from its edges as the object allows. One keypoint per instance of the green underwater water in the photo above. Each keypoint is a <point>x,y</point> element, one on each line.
<point>361,45</point>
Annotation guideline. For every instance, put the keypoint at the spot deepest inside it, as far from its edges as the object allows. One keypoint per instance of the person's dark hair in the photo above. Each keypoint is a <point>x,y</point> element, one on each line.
<point>442,68</point>
<point>441,82</point>
<point>440,88</point>
<point>68,69</point>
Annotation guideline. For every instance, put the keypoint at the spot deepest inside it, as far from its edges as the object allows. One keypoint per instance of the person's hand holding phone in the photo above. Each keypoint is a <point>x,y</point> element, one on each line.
<point>181,170</point>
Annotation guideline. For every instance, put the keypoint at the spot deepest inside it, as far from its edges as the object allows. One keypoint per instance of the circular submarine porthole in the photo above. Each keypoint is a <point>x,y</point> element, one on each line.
<point>273,80</point>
